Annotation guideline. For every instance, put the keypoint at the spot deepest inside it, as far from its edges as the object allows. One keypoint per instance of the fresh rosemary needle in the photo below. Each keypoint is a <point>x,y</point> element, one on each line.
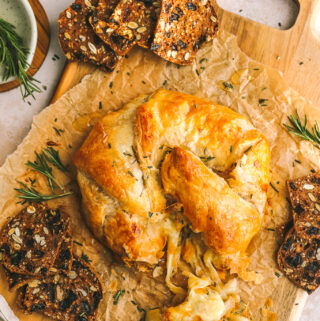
<point>53,157</point>
<point>13,56</point>
<point>32,195</point>
<point>40,165</point>
<point>300,130</point>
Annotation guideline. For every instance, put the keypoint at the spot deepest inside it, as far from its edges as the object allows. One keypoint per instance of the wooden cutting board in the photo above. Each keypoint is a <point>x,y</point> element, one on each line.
<point>296,52</point>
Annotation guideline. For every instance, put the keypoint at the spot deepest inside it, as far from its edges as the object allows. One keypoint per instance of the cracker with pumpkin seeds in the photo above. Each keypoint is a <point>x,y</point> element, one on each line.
<point>99,20</point>
<point>79,42</point>
<point>63,261</point>
<point>134,20</point>
<point>65,296</point>
<point>30,241</point>
<point>183,26</point>
<point>304,193</point>
<point>299,259</point>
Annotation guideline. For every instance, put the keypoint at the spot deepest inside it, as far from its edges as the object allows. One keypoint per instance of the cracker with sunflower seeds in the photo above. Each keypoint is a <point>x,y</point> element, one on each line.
<point>183,26</point>
<point>65,296</point>
<point>304,193</point>
<point>98,21</point>
<point>30,241</point>
<point>135,20</point>
<point>79,42</point>
<point>299,259</point>
<point>62,262</point>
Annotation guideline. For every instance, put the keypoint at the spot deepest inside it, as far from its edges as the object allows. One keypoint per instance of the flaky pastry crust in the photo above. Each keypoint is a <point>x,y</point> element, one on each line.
<point>171,145</point>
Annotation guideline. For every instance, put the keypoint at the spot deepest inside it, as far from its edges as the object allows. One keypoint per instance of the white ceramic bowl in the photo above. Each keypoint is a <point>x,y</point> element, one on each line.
<point>20,14</point>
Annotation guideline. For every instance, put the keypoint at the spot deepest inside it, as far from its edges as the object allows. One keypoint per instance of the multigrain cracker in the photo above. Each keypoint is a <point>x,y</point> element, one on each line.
<point>299,260</point>
<point>63,262</point>
<point>135,20</point>
<point>304,193</point>
<point>99,20</point>
<point>31,240</point>
<point>183,26</point>
<point>65,296</point>
<point>79,42</point>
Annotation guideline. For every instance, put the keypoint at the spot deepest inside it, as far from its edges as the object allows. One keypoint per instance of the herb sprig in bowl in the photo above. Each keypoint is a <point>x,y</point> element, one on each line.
<point>13,57</point>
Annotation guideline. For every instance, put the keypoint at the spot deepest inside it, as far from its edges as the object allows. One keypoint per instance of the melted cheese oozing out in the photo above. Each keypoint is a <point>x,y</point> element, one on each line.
<point>202,302</point>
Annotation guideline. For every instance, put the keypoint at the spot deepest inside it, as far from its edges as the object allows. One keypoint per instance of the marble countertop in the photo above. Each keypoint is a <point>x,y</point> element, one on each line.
<point>16,115</point>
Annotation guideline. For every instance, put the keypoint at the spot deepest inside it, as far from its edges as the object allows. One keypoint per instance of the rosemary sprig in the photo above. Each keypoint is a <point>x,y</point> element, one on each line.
<point>53,157</point>
<point>13,56</point>
<point>41,165</point>
<point>300,130</point>
<point>32,195</point>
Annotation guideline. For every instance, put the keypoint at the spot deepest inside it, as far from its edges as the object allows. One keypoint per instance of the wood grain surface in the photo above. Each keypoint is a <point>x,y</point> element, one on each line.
<point>295,52</point>
<point>42,43</point>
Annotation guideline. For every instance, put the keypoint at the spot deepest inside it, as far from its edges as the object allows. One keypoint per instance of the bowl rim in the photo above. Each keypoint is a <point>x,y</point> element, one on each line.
<point>32,45</point>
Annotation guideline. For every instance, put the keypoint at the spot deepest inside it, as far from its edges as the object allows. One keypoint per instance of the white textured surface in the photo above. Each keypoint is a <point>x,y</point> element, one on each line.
<point>16,116</point>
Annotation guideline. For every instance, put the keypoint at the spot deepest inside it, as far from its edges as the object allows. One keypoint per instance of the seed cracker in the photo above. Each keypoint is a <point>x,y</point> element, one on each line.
<point>135,20</point>
<point>183,26</point>
<point>299,260</point>
<point>304,193</point>
<point>72,296</point>
<point>99,20</point>
<point>79,42</point>
<point>31,240</point>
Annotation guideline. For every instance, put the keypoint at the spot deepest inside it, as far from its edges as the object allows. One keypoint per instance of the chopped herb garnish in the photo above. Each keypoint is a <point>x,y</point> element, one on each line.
<point>277,274</point>
<point>256,69</point>
<point>126,56</point>
<point>130,173</point>
<point>125,253</point>
<point>297,161</point>
<point>100,105</point>
<point>143,82</point>
<point>85,257</point>
<point>140,309</point>
<point>251,195</point>
<point>78,243</point>
<point>274,187</point>
<point>302,131</point>
<point>301,63</point>
<point>161,147</point>
<point>150,166</point>
<point>57,131</point>
<point>264,88</point>
<point>197,72</point>
<point>246,151</point>
<point>205,150</point>
<point>150,214</point>
<point>135,154</point>
<point>165,82</point>
<point>207,158</point>
<point>262,102</point>
<point>128,73</point>
<point>109,145</point>
<point>202,68</point>
<point>195,106</point>
<point>111,84</point>
<point>202,60</point>
<point>271,229</point>
<point>227,85</point>
<point>117,296</point>
<point>127,154</point>
<point>231,148</point>
<point>133,302</point>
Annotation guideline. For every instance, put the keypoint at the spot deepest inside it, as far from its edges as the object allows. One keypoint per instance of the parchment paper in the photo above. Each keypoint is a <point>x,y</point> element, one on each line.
<point>142,73</point>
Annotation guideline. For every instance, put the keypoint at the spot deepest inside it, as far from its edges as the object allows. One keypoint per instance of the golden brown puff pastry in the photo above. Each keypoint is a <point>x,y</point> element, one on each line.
<point>206,156</point>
